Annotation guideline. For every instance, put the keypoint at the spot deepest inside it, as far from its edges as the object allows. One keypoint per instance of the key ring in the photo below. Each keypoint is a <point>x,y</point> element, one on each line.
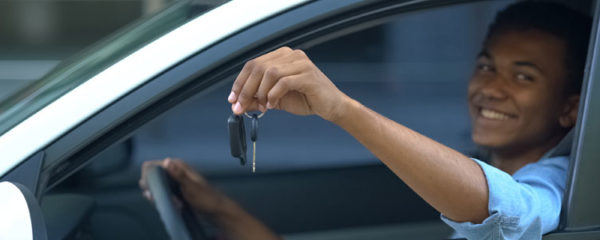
<point>259,116</point>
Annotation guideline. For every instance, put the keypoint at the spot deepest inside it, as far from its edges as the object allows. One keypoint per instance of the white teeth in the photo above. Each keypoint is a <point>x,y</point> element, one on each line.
<point>486,113</point>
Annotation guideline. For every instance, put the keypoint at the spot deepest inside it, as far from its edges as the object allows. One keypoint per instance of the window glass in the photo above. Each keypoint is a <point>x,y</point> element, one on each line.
<point>95,58</point>
<point>413,69</point>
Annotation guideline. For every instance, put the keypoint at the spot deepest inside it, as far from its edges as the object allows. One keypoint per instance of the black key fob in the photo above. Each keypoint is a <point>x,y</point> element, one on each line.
<point>254,130</point>
<point>237,137</point>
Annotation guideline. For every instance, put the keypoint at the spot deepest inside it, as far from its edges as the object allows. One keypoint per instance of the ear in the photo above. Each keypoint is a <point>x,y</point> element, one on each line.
<point>568,116</point>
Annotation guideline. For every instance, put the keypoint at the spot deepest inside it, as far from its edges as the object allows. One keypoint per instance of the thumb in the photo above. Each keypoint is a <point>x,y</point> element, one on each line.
<point>181,172</point>
<point>175,171</point>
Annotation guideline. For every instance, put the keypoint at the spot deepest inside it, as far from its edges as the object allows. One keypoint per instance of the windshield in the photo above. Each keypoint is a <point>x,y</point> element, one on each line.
<point>78,69</point>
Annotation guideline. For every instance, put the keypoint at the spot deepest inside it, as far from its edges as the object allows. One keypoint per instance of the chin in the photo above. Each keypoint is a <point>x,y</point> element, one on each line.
<point>487,141</point>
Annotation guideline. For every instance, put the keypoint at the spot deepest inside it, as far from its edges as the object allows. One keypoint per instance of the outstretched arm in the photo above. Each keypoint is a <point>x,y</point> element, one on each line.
<point>286,79</point>
<point>449,181</point>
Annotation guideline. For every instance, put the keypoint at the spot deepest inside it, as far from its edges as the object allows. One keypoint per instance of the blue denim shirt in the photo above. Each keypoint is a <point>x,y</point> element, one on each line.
<point>523,206</point>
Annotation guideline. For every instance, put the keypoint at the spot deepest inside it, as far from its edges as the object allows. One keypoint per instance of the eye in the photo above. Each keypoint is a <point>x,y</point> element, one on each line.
<point>524,77</point>
<point>483,67</point>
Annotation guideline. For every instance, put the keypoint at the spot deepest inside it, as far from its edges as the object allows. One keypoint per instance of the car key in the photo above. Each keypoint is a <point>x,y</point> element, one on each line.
<point>253,136</point>
<point>237,137</point>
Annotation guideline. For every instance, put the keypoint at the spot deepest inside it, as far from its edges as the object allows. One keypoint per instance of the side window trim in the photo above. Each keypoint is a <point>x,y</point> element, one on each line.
<point>580,208</point>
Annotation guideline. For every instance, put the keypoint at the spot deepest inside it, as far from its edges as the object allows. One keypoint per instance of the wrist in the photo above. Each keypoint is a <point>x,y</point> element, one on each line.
<point>223,208</point>
<point>342,112</point>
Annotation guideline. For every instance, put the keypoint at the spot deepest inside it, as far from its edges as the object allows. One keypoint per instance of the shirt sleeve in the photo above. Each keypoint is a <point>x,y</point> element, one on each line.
<point>523,206</point>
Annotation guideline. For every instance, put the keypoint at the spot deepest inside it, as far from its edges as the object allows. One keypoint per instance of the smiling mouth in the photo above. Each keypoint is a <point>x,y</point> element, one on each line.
<point>494,115</point>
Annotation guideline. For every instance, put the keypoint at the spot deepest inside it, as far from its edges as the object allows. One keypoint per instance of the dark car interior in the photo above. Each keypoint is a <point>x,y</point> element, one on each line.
<point>313,180</point>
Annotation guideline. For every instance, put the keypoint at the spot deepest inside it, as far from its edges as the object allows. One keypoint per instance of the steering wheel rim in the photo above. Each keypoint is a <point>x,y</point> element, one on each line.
<point>179,223</point>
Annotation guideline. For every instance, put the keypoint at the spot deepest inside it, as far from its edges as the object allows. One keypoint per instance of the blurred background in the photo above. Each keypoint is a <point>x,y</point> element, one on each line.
<point>36,35</point>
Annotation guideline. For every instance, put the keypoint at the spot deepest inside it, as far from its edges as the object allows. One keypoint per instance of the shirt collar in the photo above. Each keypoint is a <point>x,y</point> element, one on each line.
<point>563,148</point>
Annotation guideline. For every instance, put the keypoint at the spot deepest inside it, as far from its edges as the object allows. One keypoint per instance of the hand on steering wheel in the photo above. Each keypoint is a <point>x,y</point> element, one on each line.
<point>178,192</point>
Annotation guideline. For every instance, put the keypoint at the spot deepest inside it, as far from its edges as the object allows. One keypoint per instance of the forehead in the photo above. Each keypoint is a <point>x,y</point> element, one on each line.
<point>545,50</point>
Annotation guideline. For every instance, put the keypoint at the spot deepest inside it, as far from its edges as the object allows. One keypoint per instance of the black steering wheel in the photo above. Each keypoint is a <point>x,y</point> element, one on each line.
<point>180,222</point>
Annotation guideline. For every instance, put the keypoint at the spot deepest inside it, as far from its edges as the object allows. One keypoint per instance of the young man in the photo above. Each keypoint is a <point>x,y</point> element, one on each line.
<point>523,99</point>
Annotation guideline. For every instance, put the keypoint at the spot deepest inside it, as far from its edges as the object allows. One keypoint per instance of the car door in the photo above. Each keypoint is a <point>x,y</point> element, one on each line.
<point>203,78</point>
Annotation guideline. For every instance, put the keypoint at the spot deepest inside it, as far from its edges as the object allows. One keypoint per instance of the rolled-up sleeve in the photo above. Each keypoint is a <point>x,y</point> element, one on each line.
<point>523,206</point>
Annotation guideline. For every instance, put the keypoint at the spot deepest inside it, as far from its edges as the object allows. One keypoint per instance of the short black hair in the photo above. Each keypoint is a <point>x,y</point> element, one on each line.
<point>569,25</point>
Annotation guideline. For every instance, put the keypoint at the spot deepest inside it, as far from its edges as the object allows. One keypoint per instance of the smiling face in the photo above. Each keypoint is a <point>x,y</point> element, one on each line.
<point>516,96</point>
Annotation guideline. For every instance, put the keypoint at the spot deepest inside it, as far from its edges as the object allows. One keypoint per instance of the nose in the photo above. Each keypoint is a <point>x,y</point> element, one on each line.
<point>493,88</point>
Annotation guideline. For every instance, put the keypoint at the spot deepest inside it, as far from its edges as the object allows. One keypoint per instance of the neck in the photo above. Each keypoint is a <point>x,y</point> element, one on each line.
<point>511,160</point>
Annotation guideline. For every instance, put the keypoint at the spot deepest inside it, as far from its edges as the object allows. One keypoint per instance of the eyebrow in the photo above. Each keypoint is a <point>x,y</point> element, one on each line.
<point>486,54</point>
<point>528,64</point>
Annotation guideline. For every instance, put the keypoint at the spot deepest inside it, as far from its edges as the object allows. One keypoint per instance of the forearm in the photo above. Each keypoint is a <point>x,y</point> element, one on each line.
<point>236,224</point>
<point>449,181</point>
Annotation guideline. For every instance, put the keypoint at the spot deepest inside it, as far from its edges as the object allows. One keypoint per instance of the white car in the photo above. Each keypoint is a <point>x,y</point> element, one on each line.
<point>76,138</point>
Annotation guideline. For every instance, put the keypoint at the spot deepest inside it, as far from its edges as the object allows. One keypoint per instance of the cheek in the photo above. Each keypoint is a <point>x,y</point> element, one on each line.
<point>472,87</point>
<point>538,111</point>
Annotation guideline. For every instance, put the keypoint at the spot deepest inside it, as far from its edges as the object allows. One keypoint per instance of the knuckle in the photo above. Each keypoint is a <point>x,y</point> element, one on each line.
<point>236,86</point>
<point>272,72</point>
<point>261,67</point>
<point>262,101</point>
<point>299,53</point>
<point>261,96</point>
<point>250,64</point>
<point>271,95</point>
<point>243,97</point>
<point>285,49</point>
<point>286,80</point>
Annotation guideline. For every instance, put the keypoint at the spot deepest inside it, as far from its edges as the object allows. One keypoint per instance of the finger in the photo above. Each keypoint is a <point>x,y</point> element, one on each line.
<point>174,171</point>
<point>145,166</point>
<point>247,70</point>
<point>182,172</point>
<point>190,172</point>
<point>148,196</point>
<point>142,181</point>
<point>271,76</point>
<point>250,88</point>
<point>281,88</point>
<point>253,106</point>
<point>248,92</point>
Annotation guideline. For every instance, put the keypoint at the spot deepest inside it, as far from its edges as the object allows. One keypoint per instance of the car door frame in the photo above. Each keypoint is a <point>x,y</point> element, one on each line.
<point>201,73</point>
<point>580,217</point>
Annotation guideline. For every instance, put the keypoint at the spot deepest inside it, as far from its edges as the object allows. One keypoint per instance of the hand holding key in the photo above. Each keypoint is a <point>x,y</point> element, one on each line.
<point>286,79</point>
